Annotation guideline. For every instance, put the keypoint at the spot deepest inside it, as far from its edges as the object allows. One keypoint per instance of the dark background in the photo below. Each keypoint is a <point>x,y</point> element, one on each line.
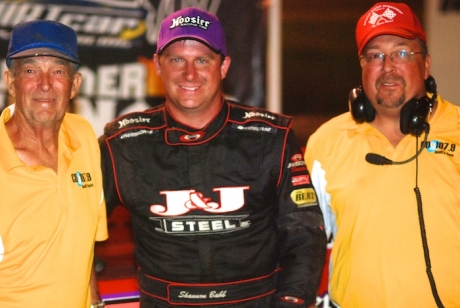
<point>320,61</point>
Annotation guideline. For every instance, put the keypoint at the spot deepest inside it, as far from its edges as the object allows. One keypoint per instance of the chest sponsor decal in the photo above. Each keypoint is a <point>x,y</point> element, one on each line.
<point>136,133</point>
<point>252,114</point>
<point>201,224</point>
<point>255,128</point>
<point>136,120</point>
<point>180,202</point>
<point>82,179</point>
<point>439,147</point>
<point>304,197</point>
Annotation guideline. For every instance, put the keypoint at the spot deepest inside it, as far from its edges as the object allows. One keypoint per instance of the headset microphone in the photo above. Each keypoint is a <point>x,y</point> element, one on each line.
<point>414,116</point>
<point>377,159</point>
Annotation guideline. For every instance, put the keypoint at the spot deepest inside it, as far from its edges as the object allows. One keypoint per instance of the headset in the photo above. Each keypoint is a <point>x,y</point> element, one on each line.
<point>414,113</point>
<point>413,120</point>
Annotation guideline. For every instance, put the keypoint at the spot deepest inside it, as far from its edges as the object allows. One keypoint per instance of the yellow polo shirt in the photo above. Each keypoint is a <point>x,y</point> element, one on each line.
<point>49,222</point>
<point>377,259</point>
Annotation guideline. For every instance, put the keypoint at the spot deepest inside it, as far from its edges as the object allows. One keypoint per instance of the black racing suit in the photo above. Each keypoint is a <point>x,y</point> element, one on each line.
<point>224,216</point>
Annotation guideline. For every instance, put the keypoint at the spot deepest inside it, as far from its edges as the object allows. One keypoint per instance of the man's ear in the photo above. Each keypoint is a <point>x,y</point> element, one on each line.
<point>156,62</point>
<point>75,85</point>
<point>225,66</point>
<point>427,66</point>
<point>8,78</point>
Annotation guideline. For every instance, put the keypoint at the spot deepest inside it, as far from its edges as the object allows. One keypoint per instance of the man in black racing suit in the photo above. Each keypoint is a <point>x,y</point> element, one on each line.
<point>223,210</point>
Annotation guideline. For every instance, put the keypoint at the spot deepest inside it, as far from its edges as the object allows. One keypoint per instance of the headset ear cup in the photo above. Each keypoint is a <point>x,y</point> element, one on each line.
<point>360,107</point>
<point>430,85</point>
<point>413,117</point>
<point>404,117</point>
<point>370,111</point>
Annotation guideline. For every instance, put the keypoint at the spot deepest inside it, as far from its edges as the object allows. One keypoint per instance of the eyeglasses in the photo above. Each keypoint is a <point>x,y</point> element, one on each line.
<point>398,57</point>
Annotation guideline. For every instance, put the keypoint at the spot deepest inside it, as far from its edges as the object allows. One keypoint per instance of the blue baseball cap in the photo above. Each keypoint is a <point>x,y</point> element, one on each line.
<point>42,38</point>
<point>195,24</point>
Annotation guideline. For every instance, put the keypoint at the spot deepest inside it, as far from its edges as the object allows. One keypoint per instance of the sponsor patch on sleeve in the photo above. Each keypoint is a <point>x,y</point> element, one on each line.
<point>304,197</point>
<point>300,179</point>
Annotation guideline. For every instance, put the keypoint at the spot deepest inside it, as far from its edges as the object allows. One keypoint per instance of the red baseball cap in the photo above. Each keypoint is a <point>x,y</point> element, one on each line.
<point>388,18</point>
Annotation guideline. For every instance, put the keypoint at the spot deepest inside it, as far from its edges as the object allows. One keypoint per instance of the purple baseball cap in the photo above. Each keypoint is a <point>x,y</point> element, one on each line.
<point>42,38</point>
<point>195,24</point>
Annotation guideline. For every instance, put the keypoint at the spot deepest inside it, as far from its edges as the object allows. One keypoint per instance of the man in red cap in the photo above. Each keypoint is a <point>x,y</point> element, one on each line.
<point>388,173</point>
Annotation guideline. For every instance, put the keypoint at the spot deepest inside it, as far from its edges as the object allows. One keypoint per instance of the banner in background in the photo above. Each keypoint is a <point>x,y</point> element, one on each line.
<point>117,39</point>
